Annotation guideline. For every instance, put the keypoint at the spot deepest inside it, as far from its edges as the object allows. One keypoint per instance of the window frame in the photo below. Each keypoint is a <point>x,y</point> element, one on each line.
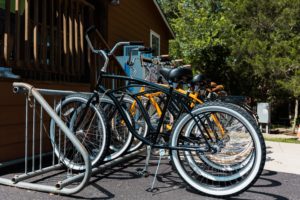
<point>153,33</point>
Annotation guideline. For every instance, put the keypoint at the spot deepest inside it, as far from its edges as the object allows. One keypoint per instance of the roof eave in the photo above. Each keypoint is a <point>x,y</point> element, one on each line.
<point>164,18</point>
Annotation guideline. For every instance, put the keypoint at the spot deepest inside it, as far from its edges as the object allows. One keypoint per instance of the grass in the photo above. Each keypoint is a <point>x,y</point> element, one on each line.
<point>286,140</point>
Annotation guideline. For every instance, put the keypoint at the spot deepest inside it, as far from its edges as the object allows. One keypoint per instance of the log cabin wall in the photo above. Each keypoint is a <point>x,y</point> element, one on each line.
<point>12,117</point>
<point>133,20</point>
<point>43,42</point>
<point>44,39</point>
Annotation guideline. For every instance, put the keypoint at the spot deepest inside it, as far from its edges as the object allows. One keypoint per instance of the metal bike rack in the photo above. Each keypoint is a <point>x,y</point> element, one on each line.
<point>43,169</point>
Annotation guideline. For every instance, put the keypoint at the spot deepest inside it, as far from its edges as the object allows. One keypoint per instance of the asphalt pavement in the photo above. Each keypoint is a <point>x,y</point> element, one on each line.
<point>279,180</point>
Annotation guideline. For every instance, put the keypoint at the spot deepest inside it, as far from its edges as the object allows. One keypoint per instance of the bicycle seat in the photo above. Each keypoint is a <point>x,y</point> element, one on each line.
<point>180,74</point>
<point>199,79</point>
<point>165,72</point>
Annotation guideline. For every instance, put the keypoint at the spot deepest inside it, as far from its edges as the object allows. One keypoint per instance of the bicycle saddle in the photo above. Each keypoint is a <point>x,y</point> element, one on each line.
<point>180,74</point>
<point>199,79</point>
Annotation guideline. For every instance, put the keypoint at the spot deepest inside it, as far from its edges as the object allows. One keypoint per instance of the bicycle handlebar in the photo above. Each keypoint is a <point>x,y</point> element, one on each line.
<point>147,60</point>
<point>136,43</point>
<point>141,49</point>
<point>91,28</point>
<point>102,52</point>
<point>146,50</point>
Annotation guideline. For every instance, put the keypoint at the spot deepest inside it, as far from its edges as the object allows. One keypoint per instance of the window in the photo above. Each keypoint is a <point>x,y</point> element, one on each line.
<point>155,43</point>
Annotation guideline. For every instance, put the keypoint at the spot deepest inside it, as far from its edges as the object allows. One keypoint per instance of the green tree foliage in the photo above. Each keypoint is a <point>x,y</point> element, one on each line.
<point>200,27</point>
<point>266,39</point>
<point>292,84</point>
<point>252,47</point>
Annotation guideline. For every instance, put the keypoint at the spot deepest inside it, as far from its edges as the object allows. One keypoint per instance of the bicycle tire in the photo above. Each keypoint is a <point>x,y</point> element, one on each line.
<point>95,139</point>
<point>233,162</point>
<point>122,142</point>
<point>210,187</point>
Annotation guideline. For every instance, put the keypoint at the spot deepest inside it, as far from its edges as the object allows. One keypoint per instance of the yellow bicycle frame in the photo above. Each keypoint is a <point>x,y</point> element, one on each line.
<point>193,96</point>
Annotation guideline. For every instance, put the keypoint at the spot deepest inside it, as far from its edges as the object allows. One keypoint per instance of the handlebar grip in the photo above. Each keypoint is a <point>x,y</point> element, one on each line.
<point>187,66</point>
<point>147,60</point>
<point>213,84</point>
<point>165,58</point>
<point>136,43</point>
<point>91,28</point>
<point>178,60</point>
<point>146,49</point>
<point>218,88</point>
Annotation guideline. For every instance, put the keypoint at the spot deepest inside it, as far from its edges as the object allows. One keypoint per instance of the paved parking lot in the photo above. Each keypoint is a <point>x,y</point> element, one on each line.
<point>121,182</point>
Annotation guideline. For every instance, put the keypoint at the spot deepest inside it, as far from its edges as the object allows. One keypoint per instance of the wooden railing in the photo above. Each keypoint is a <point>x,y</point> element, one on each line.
<point>44,39</point>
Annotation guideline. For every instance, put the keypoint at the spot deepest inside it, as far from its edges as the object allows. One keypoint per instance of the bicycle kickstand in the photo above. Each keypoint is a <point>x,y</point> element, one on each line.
<point>152,189</point>
<point>144,171</point>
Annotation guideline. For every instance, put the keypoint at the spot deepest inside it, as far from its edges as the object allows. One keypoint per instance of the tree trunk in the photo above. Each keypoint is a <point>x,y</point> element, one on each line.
<point>296,114</point>
<point>290,112</point>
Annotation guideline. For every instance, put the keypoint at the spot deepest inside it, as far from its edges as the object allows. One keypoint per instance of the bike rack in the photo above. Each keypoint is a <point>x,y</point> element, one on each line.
<point>42,168</point>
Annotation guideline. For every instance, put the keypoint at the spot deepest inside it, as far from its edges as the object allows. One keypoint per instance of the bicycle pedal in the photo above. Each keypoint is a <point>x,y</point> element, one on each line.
<point>141,172</point>
<point>153,190</point>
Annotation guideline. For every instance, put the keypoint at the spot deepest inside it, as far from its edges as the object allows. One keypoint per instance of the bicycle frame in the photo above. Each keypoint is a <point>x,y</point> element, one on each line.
<point>154,133</point>
<point>193,96</point>
<point>140,83</point>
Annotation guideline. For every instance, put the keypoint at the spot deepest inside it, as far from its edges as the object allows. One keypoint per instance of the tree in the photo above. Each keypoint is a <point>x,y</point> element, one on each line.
<point>267,40</point>
<point>292,84</point>
<point>252,46</point>
<point>199,26</point>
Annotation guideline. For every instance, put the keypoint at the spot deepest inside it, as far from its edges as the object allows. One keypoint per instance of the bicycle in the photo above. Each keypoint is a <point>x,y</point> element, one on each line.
<point>199,82</point>
<point>189,134</point>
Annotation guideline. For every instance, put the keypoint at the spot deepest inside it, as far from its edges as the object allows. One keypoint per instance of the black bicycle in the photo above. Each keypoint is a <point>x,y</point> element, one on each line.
<point>215,166</point>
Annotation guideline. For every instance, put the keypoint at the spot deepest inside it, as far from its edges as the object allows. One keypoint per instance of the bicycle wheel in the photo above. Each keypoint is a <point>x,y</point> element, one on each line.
<point>137,117</point>
<point>235,153</point>
<point>121,137</point>
<point>214,182</point>
<point>88,123</point>
<point>232,161</point>
<point>239,101</point>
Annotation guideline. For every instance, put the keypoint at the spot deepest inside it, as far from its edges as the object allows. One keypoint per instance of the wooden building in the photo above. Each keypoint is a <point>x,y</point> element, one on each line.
<point>43,42</point>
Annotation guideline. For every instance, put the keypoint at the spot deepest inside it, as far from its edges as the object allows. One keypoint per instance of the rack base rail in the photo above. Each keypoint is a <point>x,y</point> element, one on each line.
<point>40,169</point>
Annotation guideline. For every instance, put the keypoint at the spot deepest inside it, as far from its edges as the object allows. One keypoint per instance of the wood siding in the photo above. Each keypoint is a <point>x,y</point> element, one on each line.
<point>39,39</point>
<point>12,116</point>
<point>132,20</point>
<point>47,44</point>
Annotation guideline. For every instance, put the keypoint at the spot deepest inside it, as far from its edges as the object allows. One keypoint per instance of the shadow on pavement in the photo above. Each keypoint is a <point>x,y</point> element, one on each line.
<point>122,182</point>
<point>266,180</point>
